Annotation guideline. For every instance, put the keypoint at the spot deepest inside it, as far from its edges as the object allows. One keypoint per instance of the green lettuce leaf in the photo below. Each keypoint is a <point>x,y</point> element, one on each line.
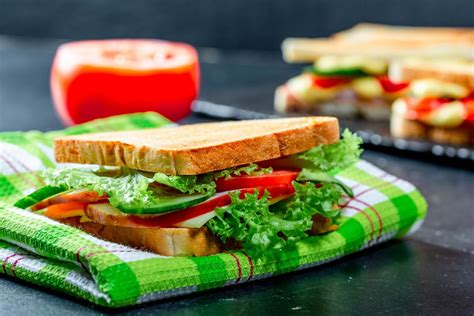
<point>260,228</point>
<point>251,169</point>
<point>187,184</point>
<point>327,158</point>
<point>339,155</point>
<point>125,187</point>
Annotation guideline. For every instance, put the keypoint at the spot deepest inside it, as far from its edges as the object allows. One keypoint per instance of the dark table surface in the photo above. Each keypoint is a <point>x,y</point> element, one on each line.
<point>428,272</point>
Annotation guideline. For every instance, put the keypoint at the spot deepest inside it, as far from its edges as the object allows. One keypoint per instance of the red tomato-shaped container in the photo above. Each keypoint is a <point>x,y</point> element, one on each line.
<point>100,78</point>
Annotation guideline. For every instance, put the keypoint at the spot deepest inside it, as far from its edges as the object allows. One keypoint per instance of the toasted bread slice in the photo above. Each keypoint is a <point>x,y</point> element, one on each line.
<point>369,31</point>
<point>194,242</point>
<point>164,241</point>
<point>455,71</point>
<point>300,50</point>
<point>384,41</point>
<point>199,148</point>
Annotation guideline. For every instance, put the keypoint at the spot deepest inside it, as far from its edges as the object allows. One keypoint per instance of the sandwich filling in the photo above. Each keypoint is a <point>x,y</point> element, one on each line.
<point>438,104</point>
<point>344,79</point>
<point>260,207</point>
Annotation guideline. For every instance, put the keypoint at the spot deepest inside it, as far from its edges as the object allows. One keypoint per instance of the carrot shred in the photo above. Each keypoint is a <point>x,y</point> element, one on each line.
<point>65,210</point>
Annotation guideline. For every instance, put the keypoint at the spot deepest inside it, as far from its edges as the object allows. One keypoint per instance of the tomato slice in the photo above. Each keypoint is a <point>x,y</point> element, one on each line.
<point>277,177</point>
<point>390,86</point>
<point>468,99</point>
<point>330,82</point>
<point>172,218</point>
<point>420,107</point>
<point>65,210</point>
<point>469,104</point>
<point>99,78</point>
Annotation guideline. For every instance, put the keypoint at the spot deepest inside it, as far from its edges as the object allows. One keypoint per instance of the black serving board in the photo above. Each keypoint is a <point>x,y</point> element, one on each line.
<point>376,136</point>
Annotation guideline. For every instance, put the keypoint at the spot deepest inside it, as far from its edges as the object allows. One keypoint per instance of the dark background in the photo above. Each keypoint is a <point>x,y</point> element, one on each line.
<point>239,24</point>
<point>427,273</point>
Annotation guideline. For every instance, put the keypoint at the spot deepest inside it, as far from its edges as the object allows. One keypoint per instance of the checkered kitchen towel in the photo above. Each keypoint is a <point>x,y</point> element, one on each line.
<point>39,250</point>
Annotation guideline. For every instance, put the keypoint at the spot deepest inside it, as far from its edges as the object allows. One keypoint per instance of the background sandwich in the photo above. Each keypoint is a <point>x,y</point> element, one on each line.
<point>440,103</point>
<point>349,72</point>
<point>199,189</point>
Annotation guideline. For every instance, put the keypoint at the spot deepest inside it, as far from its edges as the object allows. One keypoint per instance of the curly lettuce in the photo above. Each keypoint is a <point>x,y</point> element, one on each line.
<point>260,228</point>
<point>187,184</point>
<point>339,155</point>
<point>250,169</point>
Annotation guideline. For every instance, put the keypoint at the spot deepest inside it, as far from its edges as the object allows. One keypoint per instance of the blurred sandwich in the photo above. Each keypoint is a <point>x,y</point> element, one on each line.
<point>349,72</point>
<point>440,102</point>
<point>201,189</point>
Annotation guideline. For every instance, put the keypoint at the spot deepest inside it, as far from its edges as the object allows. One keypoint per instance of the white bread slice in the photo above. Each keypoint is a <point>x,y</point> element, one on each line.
<point>164,241</point>
<point>300,50</point>
<point>368,31</point>
<point>194,242</point>
<point>199,148</point>
<point>455,71</point>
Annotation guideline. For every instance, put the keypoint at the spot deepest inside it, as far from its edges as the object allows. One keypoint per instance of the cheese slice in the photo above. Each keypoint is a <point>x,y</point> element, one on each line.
<point>449,115</point>
<point>436,89</point>
<point>370,65</point>
<point>303,88</point>
<point>367,87</point>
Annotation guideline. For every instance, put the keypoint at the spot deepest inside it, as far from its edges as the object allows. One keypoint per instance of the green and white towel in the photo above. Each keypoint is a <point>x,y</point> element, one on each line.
<point>39,250</point>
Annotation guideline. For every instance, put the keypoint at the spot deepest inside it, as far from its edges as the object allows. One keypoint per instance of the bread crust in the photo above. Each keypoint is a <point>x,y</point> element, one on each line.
<point>384,41</point>
<point>364,31</point>
<point>163,241</point>
<point>302,50</point>
<point>199,148</point>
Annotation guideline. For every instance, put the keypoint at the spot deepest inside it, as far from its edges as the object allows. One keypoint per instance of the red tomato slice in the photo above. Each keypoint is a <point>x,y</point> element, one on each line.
<point>277,177</point>
<point>172,218</point>
<point>470,110</point>
<point>390,86</point>
<point>425,105</point>
<point>329,82</point>
<point>65,210</point>
<point>100,78</point>
<point>469,98</point>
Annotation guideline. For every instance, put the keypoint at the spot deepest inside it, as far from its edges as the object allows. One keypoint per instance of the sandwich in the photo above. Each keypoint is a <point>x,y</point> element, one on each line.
<point>348,76</point>
<point>440,103</point>
<point>196,190</point>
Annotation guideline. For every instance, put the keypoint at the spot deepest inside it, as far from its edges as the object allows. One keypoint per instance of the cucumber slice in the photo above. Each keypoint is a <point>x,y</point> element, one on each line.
<point>349,72</point>
<point>198,221</point>
<point>167,203</point>
<point>39,195</point>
